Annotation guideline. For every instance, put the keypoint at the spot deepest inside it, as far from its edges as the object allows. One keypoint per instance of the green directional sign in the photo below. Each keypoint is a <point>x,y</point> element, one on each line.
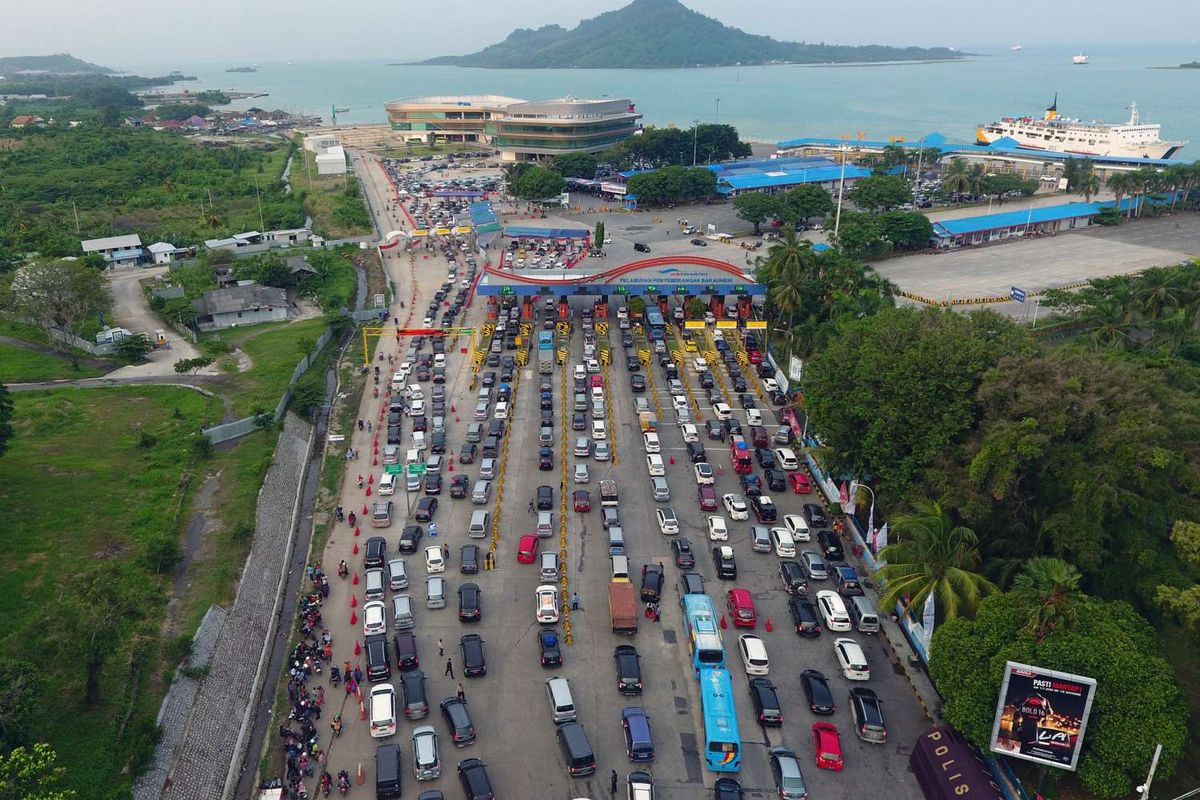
<point>393,469</point>
<point>416,469</point>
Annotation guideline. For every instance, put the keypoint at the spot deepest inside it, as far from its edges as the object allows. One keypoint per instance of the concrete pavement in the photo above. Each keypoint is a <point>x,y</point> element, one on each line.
<point>131,311</point>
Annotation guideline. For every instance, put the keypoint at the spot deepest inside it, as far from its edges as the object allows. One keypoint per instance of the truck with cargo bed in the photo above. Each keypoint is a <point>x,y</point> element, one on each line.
<point>623,606</point>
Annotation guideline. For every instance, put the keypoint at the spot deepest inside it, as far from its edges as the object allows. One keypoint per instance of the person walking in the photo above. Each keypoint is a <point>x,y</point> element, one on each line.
<point>574,601</point>
<point>612,783</point>
<point>462,694</point>
<point>441,648</point>
<point>449,668</point>
<point>357,674</point>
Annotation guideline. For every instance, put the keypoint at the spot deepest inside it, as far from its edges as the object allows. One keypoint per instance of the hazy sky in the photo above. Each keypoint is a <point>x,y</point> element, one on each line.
<point>119,32</point>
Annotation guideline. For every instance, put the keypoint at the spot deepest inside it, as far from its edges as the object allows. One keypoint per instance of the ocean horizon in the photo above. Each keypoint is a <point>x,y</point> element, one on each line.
<point>775,102</point>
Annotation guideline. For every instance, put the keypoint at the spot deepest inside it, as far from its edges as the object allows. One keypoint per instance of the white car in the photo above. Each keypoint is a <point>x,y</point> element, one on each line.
<point>678,401</point>
<point>650,440</point>
<point>754,416</point>
<point>754,654</point>
<point>501,411</point>
<point>580,371</point>
<point>718,531</point>
<point>787,459</point>
<point>770,385</point>
<point>668,523</point>
<point>583,447</point>
<point>700,364</point>
<point>690,434</point>
<point>599,431</point>
<point>383,711</point>
<point>581,473</point>
<point>704,474</point>
<point>593,366</point>
<point>797,527</point>
<point>547,604</point>
<point>417,409</point>
<point>374,618</point>
<point>434,562</point>
<point>722,411</point>
<point>851,659</point>
<point>439,359</point>
<point>782,541</point>
<point>736,506</point>
<point>654,464</point>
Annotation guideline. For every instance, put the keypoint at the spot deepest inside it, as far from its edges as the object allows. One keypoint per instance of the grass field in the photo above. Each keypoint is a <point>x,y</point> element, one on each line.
<point>273,350</point>
<point>321,196</point>
<point>18,365</point>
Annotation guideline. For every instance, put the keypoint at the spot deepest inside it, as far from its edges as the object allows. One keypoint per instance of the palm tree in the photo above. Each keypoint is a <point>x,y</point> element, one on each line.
<point>1159,290</point>
<point>1120,184</point>
<point>1088,185</point>
<point>976,178</point>
<point>788,264</point>
<point>933,555</point>
<point>1109,322</point>
<point>1048,589</point>
<point>955,180</point>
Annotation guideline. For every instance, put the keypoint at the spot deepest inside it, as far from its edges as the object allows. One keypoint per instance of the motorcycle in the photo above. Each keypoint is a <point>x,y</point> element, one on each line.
<point>326,783</point>
<point>343,782</point>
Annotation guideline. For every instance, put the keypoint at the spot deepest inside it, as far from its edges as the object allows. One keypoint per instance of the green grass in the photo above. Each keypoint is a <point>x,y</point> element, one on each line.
<point>18,365</point>
<point>272,348</point>
<point>322,194</point>
<point>76,488</point>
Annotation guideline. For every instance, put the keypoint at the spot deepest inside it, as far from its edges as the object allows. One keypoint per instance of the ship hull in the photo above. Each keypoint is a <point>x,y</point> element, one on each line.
<point>1149,150</point>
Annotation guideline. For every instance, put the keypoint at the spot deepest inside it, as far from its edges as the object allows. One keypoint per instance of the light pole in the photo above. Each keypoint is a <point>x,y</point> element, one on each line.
<point>695,139</point>
<point>717,118</point>
<point>837,222</point>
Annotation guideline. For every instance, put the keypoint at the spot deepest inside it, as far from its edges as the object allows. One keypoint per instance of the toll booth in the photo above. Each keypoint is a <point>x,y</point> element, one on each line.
<point>663,305</point>
<point>564,309</point>
<point>744,307</point>
<point>716,304</point>
<point>601,307</point>
<point>527,309</point>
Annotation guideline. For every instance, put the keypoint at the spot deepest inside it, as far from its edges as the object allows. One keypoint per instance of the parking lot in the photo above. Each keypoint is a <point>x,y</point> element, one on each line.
<point>508,706</point>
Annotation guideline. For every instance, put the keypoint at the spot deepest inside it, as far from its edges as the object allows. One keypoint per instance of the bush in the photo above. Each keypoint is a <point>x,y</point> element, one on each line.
<point>147,440</point>
<point>202,447</point>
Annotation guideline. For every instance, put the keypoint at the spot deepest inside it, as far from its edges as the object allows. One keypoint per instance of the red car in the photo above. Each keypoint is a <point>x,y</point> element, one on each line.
<point>741,608</point>
<point>597,381</point>
<point>828,746</point>
<point>800,483</point>
<point>583,500</point>
<point>527,549</point>
<point>708,498</point>
<point>756,356</point>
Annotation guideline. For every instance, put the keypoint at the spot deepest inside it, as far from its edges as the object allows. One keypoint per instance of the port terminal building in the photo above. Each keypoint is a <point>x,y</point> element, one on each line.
<point>522,130</point>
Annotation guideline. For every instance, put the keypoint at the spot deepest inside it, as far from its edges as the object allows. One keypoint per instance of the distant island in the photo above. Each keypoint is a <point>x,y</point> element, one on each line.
<point>242,69</point>
<point>1190,65</point>
<point>57,64</point>
<point>666,33</point>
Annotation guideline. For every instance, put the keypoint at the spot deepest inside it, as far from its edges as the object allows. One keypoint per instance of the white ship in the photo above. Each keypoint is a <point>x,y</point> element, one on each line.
<point>1079,59</point>
<point>1016,47</point>
<point>1133,139</point>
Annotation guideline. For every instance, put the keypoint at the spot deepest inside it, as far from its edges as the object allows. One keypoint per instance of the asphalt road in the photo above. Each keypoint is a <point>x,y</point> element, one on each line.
<point>515,734</point>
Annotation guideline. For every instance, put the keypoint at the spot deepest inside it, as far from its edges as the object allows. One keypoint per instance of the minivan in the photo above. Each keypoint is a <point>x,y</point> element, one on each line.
<point>661,489</point>
<point>379,667</point>
<point>863,615</point>
<point>834,611</point>
<point>416,703</point>
<point>402,612</point>
<point>374,584</point>
<point>475,432</point>
<point>639,745</point>
<point>491,447</point>
<point>549,567</point>
<point>487,468</point>
<point>480,522</point>
<point>387,484</point>
<point>620,569</point>
<point>481,493</point>
<point>427,763</point>
<point>387,771</point>
<point>616,541</point>
<point>562,704</point>
<point>576,749</point>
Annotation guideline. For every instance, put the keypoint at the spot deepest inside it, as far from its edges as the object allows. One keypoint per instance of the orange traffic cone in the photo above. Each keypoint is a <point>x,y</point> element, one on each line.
<point>354,601</point>
<point>724,624</point>
<point>364,509</point>
<point>360,779</point>
<point>357,648</point>
<point>356,530</point>
<point>672,458</point>
<point>356,548</point>
<point>362,710</point>
<point>370,479</point>
<point>354,580</point>
<point>456,415</point>
<point>770,625</point>
<point>368,491</point>
<point>353,618</point>
<point>452,408</point>
<point>374,462</point>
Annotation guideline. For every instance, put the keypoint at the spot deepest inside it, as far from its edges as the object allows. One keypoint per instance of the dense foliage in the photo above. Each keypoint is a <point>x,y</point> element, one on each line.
<point>1137,702</point>
<point>158,185</point>
<point>575,165</point>
<point>680,147</point>
<point>880,192</point>
<point>870,236</point>
<point>530,182</point>
<point>671,185</point>
<point>665,33</point>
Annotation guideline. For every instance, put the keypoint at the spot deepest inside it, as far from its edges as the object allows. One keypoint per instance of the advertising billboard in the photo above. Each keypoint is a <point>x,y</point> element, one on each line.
<point>1042,714</point>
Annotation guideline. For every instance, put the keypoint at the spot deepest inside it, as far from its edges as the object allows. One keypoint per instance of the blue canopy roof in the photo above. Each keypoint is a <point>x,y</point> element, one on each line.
<point>526,232</point>
<point>1014,219</point>
<point>762,180</point>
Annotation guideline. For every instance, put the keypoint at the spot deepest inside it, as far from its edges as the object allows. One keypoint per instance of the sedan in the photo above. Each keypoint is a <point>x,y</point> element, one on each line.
<point>718,531</point>
<point>727,789</point>
<point>766,703</point>
<point>545,459</point>
<point>583,500</point>
<point>736,506</point>
<point>472,774</point>
<point>426,508</point>
<point>433,484</point>
<point>827,746</point>
<point>434,561</point>
<point>470,603</point>
<point>474,663</point>
<point>814,565</point>
<point>578,421</point>
<point>549,650</point>
<point>602,451</point>
<point>629,669</point>
<point>816,690</point>
<point>468,559</point>
<point>804,616</point>
<point>546,604</point>
<point>545,498</point>
<point>785,769</point>
<point>704,473</point>
<point>681,549</point>
<point>458,486</point>
<point>581,473</point>
<point>637,383</point>
<point>374,618</point>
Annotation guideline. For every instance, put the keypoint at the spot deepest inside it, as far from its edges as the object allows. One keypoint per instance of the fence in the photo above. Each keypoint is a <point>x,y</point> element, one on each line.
<point>238,428</point>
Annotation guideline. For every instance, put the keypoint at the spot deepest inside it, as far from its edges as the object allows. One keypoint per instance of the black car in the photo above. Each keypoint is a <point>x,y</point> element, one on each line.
<point>545,498</point>
<point>496,428</point>
<point>629,669</point>
<point>437,443</point>
<point>691,583</point>
<point>468,559</point>
<point>652,582</point>
<point>725,563</point>
<point>420,424</point>
<point>472,774</point>
<point>776,480</point>
<point>488,380</point>
<point>473,661</point>
<point>733,427</point>
<point>706,380</point>
<point>375,553</point>
<point>714,430</point>
<point>550,653</point>
<point>638,383</point>
<point>545,459</point>
<point>868,716</point>
<point>546,403</point>
<point>626,339</point>
<point>393,434</point>
<point>747,401</point>
<point>685,557</point>
<point>470,603</point>
<point>547,418</point>
<point>766,459</point>
<point>506,374</point>
<point>579,421</point>
<point>405,644</point>
<point>804,616</point>
<point>763,507</point>
<point>458,486</point>
<point>426,508</point>
<point>433,484</point>
<point>466,453</point>
<point>739,384</point>
<point>751,485</point>
<point>724,789</point>
<point>696,452</point>
<point>410,538</point>
<point>766,703</point>
<point>816,689</point>
<point>815,515</point>
<point>412,685</point>
<point>632,364</point>
<point>831,546</point>
<point>794,579</point>
<point>458,719</point>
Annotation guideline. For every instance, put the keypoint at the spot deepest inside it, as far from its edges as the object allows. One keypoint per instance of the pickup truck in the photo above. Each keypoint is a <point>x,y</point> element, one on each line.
<point>623,606</point>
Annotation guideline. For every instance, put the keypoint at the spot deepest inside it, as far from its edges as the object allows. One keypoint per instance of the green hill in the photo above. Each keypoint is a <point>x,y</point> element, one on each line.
<point>58,64</point>
<point>665,33</point>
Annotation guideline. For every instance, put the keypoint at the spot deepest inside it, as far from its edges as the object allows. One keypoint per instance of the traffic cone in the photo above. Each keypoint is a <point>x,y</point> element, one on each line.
<point>357,648</point>
<point>354,601</point>
<point>360,779</point>
<point>456,415</point>
<point>365,510</point>
<point>672,459</point>
<point>451,465</point>
<point>356,548</point>
<point>770,625</point>
<point>724,624</point>
<point>356,530</point>
<point>362,710</point>
<point>368,491</point>
<point>354,580</point>
<point>353,618</point>
<point>370,479</point>
<point>374,462</point>
<point>452,408</point>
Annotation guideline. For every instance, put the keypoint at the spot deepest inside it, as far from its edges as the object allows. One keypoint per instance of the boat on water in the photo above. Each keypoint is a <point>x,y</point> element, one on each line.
<point>243,69</point>
<point>1079,58</point>
<point>1132,139</point>
<point>1016,47</point>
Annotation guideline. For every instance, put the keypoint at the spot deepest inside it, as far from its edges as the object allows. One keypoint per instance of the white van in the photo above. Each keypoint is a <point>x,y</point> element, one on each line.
<point>833,610</point>
<point>620,569</point>
<point>562,704</point>
<point>549,567</point>
<point>387,484</point>
<point>480,522</point>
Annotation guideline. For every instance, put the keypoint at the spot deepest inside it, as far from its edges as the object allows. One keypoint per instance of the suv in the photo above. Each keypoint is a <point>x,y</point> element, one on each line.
<point>458,719</point>
<point>375,553</point>
<point>629,669</point>
<point>766,703</point>
<point>681,548</point>
<point>868,716</point>
<point>470,603</point>
<point>472,774</point>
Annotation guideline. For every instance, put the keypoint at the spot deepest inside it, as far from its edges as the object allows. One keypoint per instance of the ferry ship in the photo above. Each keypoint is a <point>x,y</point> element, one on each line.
<point>1133,139</point>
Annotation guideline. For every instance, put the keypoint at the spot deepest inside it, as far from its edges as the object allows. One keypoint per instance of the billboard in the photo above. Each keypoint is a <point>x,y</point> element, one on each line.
<point>1042,714</point>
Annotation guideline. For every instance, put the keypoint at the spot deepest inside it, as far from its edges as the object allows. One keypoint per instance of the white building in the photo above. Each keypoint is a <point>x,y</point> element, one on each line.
<point>320,142</point>
<point>118,251</point>
<point>332,161</point>
<point>240,305</point>
<point>163,252</point>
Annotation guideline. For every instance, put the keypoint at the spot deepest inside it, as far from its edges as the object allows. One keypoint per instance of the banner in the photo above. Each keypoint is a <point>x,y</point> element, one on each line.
<point>1042,714</point>
<point>851,499</point>
<point>928,619</point>
<point>795,369</point>
<point>881,538</point>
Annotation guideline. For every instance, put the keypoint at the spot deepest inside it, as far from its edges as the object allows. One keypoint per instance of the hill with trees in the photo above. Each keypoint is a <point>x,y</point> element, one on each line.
<point>57,64</point>
<point>665,33</point>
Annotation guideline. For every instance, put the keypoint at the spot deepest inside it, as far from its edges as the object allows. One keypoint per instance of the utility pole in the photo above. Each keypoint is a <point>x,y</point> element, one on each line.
<point>695,138</point>
<point>717,119</point>
<point>75,211</point>
<point>262,226</point>
<point>1144,789</point>
<point>837,222</point>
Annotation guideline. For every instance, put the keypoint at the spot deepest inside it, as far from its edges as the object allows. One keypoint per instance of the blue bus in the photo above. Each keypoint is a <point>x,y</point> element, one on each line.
<point>722,745</point>
<point>545,340</point>
<point>655,327</point>
<point>704,640</point>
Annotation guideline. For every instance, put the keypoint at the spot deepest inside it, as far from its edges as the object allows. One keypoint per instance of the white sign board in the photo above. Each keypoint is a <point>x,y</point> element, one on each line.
<point>795,369</point>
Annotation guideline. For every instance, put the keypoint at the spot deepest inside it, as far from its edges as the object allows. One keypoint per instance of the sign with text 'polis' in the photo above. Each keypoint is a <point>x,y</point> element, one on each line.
<point>1042,714</point>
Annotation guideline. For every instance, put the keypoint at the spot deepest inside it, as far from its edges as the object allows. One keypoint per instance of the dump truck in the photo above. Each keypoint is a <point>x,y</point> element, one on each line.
<point>608,493</point>
<point>623,606</point>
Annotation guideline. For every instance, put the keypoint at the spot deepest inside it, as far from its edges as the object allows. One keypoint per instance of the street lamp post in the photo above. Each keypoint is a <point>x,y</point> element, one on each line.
<point>717,118</point>
<point>837,222</point>
<point>695,138</point>
<point>871,511</point>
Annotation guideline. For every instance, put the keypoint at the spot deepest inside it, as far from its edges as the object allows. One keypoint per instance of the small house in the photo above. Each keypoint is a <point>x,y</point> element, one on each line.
<point>26,121</point>
<point>163,252</point>
<point>118,251</point>
<point>240,305</point>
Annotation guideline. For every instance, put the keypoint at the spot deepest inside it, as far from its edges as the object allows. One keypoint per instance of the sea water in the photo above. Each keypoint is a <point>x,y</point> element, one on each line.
<point>771,103</point>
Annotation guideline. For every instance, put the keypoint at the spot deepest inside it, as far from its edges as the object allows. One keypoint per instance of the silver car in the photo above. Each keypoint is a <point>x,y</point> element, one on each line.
<point>602,452</point>
<point>814,565</point>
